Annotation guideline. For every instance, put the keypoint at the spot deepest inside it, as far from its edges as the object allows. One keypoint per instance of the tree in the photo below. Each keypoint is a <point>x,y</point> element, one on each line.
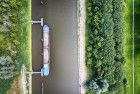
<point>7,67</point>
<point>104,85</point>
<point>99,86</point>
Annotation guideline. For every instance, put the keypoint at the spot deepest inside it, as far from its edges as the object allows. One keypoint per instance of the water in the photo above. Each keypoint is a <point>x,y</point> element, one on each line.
<point>61,17</point>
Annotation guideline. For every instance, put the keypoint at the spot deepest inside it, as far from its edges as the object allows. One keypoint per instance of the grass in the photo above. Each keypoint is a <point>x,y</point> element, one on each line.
<point>137,74</point>
<point>5,85</point>
<point>137,46</point>
<point>16,37</point>
<point>128,46</point>
<point>26,34</point>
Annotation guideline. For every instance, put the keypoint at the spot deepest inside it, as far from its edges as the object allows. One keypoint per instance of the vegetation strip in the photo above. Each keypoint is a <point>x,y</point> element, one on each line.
<point>15,40</point>
<point>104,46</point>
<point>128,47</point>
<point>137,46</point>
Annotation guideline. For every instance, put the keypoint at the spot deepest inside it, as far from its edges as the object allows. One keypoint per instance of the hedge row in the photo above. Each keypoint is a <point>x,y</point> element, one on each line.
<point>104,42</point>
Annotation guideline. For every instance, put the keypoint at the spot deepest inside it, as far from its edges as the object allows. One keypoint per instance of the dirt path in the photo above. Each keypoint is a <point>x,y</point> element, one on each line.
<point>81,45</point>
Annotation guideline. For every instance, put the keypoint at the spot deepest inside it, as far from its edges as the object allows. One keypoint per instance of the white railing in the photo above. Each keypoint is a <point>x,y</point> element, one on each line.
<point>38,22</point>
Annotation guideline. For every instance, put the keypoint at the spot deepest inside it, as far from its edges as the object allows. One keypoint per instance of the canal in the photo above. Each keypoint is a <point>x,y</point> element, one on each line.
<point>61,16</point>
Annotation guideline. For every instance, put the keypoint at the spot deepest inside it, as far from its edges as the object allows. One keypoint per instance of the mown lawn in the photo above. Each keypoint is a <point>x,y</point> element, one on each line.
<point>128,46</point>
<point>128,49</point>
<point>15,38</point>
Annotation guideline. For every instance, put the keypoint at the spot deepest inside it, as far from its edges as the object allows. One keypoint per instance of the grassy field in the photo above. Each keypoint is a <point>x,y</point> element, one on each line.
<point>128,46</point>
<point>15,37</point>
<point>137,46</point>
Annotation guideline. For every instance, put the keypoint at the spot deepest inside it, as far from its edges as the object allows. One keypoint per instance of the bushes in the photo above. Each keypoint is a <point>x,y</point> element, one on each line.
<point>104,40</point>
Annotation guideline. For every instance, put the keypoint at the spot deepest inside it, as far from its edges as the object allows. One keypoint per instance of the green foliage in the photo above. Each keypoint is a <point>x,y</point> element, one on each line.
<point>14,39</point>
<point>7,67</point>
<point>5,85</point>
<point>104,41</point>
<point>137,45</point>
<point>99,86</point>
